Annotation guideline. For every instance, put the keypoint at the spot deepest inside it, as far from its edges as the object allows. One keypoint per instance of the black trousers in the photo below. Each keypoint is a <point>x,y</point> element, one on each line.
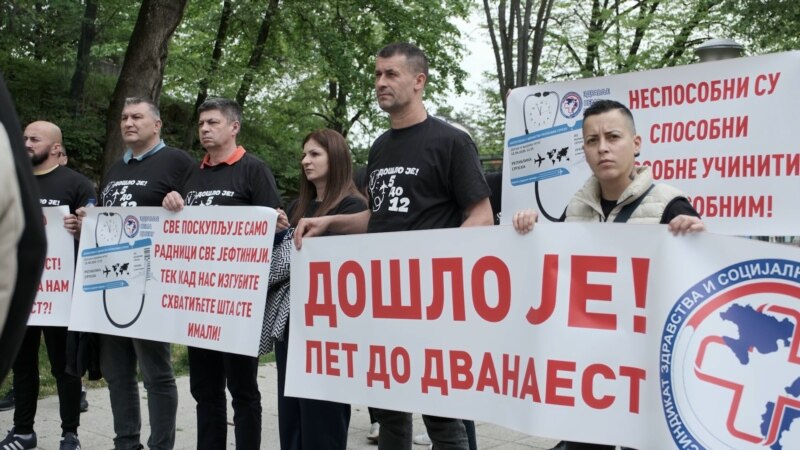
<point>209,372</point>
<point>307,424</point>
<point>582,446</point>
<point>26,380</point>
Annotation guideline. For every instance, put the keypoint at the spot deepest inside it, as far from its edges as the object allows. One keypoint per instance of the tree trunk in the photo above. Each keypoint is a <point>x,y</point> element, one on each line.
<point>216,55</point>
<point>88,32</point>
<point>257,54</point>
<point>517,44</point>
<point>539,32</point>
<point>681,42</point>
<point>143,69</point>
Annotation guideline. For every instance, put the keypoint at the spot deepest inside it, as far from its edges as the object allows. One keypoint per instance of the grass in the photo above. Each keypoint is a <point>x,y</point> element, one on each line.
<point>47,383</point>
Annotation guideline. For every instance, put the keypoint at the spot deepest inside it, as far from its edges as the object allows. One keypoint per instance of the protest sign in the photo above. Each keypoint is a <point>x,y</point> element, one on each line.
<point>198,277</point>
<point>54,296</point>
<point>722,132</point>
<point>616,334</point>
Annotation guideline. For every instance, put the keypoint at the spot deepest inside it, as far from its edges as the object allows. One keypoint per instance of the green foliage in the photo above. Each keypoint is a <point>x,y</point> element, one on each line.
<point>767,25</point>
<point>41,91</point>
<point>318,64</point>
<point>589,39</point>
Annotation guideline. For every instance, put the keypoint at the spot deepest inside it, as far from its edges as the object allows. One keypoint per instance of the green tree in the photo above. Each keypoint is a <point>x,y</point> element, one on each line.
<point>517,40</point>
<point>765,25</point>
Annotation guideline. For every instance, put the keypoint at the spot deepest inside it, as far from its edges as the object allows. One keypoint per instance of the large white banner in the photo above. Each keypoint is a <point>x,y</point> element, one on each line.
<point>616,334</point>
<point>198,277</point>
<point>723,132</point>
<point>54,297</point>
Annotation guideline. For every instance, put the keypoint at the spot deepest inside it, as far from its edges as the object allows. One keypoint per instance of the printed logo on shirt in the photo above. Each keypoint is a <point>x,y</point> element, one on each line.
<point>49,202</point>
<point>385,188</point>
<point>117,193</point>
<point>206,198</point>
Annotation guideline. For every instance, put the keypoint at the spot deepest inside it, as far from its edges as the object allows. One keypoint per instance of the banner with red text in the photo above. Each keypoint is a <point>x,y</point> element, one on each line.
<point>615,334</point>
<point>54,297</point>
<point>198,277</point>
<point>722,132</point>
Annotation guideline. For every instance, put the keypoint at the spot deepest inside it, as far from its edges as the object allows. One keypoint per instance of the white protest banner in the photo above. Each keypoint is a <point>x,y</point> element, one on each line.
<point>198,277</point>
<point>615,334</point>
<point>54,296</point>
<point>722,132</point>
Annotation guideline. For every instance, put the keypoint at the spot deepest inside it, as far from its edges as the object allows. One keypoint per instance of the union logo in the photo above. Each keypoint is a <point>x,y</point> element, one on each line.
<point>131,226</point>
<point>571,105</point>
<point>730,359</point>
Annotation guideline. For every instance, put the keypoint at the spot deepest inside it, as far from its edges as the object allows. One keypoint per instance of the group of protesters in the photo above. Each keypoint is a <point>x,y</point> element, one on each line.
<point>448,190</point>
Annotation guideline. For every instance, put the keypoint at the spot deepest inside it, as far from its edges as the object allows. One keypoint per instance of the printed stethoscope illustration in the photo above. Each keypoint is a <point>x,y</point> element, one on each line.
<point>539,112</point>
<point>109,232</point>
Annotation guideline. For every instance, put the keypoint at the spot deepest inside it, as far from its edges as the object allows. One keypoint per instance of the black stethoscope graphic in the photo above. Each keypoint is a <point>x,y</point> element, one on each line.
<point>112,234</point>
<point>525,113</point>
<point>539,96</point>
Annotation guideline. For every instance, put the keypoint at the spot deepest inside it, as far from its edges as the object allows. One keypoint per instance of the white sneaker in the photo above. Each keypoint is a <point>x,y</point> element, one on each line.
<point>422,439</point>
<point>374,430</point>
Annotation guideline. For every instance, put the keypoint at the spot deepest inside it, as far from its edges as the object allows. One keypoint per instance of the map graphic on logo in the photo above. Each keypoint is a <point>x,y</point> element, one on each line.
<point>571,105</point>
<point>131,226</point>
<point>730,359</point>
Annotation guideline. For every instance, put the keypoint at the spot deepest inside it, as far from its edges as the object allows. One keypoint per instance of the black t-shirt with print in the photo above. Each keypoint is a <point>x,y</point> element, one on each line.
<point>247,182</point>
<point>423,177</point>
<point>349,205</point>
<point>64,186</point>
<point>145,182</point>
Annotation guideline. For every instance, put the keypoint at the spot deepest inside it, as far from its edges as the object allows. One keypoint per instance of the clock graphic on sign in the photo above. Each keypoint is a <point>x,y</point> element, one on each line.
<point>539,111</point>
<point>121,310</point>
<point>108,230</point>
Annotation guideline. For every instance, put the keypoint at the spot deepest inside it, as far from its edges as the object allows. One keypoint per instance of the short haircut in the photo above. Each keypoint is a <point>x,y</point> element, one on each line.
<point>229,108</point>
<point>150,104</point>
<point>416,59</point>
<point>604,106</point>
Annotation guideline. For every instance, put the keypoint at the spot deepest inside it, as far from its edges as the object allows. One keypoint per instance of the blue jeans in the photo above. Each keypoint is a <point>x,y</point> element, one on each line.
<point>396,431</point>
<point>118,357</point>
<point>209,372</point>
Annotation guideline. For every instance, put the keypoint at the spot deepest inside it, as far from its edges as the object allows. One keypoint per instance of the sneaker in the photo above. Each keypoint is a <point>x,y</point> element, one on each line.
<point>422,439</point>
<point>374,431</point>
<point>18,442</point>
<point>7,402</point>
<point>84,402</point>
<point>70,442</point>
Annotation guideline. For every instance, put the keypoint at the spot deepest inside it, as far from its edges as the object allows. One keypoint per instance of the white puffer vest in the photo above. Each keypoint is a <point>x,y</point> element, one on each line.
<point>585,204</point>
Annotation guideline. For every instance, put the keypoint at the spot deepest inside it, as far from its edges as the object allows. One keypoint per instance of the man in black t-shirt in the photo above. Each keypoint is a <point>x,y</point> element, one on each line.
<point>57,186</point>
<point>422,174</point>
<point>148,170</point>
<point>227,176</point>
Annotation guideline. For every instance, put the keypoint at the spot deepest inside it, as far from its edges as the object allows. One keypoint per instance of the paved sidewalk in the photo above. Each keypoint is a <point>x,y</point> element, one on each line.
<point>96,431</point>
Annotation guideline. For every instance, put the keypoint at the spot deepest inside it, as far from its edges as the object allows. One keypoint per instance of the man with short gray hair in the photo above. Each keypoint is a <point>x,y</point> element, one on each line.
<point>148,170</point>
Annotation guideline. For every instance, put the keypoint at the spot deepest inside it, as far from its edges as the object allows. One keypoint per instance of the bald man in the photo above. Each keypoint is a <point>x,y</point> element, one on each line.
<point>58,185</point>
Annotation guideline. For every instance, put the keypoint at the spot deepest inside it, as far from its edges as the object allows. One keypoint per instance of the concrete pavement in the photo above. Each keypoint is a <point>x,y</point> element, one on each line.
<point>96,430</point>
